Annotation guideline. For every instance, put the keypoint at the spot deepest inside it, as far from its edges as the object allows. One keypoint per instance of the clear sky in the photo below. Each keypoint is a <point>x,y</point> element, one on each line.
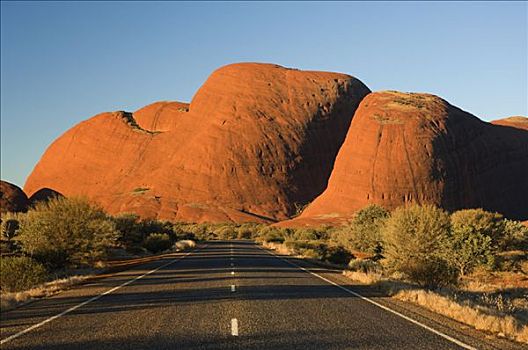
<point>64,62</point>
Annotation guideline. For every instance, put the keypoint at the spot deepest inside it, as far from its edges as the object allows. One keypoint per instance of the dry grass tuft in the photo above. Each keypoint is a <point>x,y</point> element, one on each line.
<point>473,315</point>
<point>486,318</point>
<point>10,300</point>
<point>363,277</point>
<point>278,247</point>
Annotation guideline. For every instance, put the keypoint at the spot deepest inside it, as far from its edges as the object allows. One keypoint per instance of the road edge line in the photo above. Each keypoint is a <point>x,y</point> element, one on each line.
<point>386,308</point>
<point>94,298</point>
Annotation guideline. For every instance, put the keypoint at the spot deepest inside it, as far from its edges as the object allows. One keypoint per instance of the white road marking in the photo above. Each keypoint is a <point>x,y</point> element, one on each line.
<point>231,258</point>
<point>443,335</point>
<point>234,327</point>
<point>233,288</point>
<point>232,264</point>
<point>73,308</point>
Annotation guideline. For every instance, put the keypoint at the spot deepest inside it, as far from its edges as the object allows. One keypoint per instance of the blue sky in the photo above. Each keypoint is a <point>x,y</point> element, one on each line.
<point>64,62</point>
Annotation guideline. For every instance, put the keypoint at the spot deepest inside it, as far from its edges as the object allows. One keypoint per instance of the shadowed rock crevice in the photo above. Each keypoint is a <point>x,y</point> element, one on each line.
<point>129,119</point>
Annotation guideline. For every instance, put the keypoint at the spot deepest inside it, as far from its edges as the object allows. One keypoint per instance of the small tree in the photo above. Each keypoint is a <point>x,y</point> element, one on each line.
<point>67,231</point>
<point>413,240</point>
<point>364,232</point>
<point>474,238</point>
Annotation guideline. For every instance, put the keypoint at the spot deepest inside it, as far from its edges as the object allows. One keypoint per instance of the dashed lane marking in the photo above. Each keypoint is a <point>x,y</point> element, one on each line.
<point>234,327</point>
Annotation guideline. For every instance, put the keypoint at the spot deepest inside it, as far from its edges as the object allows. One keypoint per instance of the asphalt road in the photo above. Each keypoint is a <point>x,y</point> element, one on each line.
<point>230,295</point>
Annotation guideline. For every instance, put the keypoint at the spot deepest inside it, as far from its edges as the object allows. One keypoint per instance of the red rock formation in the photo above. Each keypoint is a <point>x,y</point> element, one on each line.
<point>515,122</point>
<point>12,198</point>
<point>404,148</point>
<point>255,140</point>
<point>161,116</point>
<point>43,195</point>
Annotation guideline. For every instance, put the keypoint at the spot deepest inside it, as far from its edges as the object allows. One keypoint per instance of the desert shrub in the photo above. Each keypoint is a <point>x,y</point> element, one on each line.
<point>365,266</point>
<point>364,232</point>
<point>414,237</point>
<point>433,272</point>
<point>511,261</point>
<point>20,273</point>
<point>129,227</point>
<point>67,231</point>
<point>305,234</point>
<point>10,224</point>
<point>156,226</point>
<point>515,236</point>
<point>248,231</point>
<point>181,232</point>
<point>473,239</point>
<point>311,253</point>
<point>482,222</point>
<point>336,255</point>
<point>270,234</point>
<point>157,242</point>
<point>199,231</point>
<point>226,231</point>
<point>9,228</point>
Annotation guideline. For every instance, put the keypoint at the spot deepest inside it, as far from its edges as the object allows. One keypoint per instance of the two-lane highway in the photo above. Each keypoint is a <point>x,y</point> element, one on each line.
<point>230,294</point>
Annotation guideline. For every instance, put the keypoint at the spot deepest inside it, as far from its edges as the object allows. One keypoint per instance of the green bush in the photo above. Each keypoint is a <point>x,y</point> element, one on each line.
<point>363,234</point>
<point>414,239</point>
<point>129,227</point>
<point>156,226</point>
<point>271,234</point>
<point>199,231</point>
<point>433,272</point>
<point>226,231</point>
<point>305,234</point>
<point>157,242</point>
<point>20,273</point>
<point>515,236</point>
<point>473,239</point>
<point>67,231</point>
<point>248,231</point>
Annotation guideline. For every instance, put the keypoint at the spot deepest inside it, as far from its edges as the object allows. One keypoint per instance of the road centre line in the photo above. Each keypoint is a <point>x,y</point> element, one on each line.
<point>443,335</point>
<point>234,327</point>
<point>233,288</point>
<point>73,308</point>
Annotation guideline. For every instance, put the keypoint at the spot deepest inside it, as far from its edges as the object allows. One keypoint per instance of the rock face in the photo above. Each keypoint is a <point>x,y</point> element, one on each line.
<point>256,140</point>
<point>44,194</point>
<point>12,198</point>
<point>404,148</point>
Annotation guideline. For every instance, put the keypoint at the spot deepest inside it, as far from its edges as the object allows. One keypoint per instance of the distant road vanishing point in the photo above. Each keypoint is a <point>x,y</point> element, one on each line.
<point>230,295</point>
